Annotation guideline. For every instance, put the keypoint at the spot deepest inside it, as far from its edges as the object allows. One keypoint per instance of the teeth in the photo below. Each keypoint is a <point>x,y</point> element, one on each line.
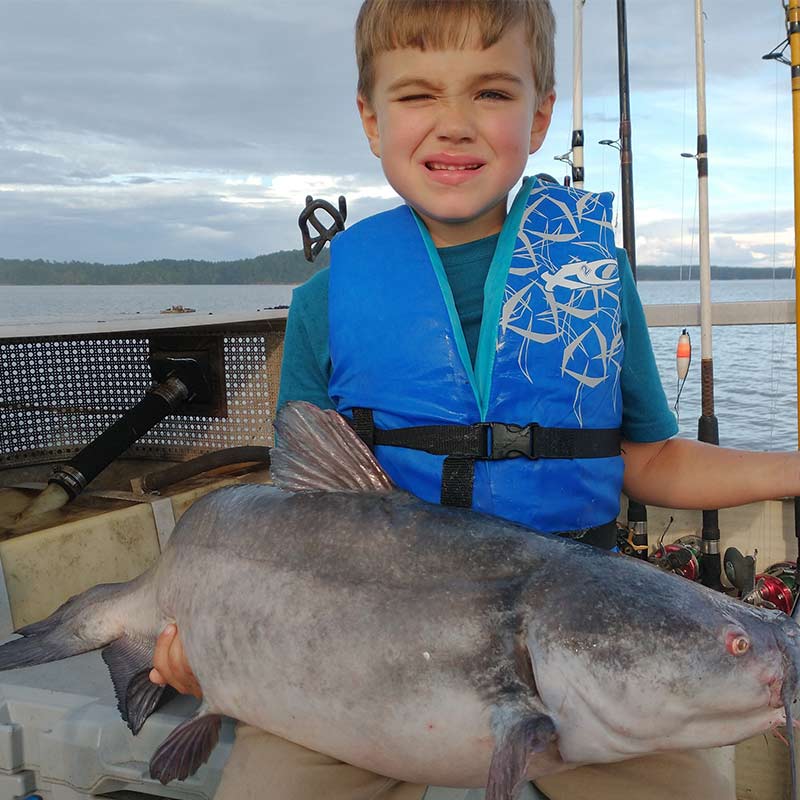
<point>451,168</point>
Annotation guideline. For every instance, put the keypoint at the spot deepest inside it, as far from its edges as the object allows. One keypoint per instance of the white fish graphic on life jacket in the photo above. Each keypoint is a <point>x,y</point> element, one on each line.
<point>582,275</point>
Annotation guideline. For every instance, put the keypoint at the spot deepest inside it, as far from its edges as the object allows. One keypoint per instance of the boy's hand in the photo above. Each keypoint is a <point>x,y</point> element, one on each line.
<point>170,665</point>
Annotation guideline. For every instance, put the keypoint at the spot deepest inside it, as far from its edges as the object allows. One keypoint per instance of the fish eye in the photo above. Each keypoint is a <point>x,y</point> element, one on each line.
<point>737,644</point>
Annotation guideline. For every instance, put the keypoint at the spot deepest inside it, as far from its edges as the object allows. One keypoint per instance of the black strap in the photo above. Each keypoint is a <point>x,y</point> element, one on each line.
<point>458,476</point>
<point>493,440</point>
<point>486,441</point>
<point>364,426</point>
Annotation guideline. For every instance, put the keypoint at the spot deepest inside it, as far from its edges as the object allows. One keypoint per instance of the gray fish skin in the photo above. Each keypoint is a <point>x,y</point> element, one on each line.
<point>430,644</point>
<point>381,629</point>
<point>370,635</point>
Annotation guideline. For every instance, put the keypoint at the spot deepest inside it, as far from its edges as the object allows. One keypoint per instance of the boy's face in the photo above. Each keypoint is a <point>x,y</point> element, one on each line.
<point>453,130</point>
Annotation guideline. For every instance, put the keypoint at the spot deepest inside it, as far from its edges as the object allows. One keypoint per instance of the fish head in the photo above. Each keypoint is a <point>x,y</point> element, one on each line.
<point>656,663</point>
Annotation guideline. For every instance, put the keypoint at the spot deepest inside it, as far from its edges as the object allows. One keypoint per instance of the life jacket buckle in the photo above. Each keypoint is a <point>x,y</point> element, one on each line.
<point>513,441</point>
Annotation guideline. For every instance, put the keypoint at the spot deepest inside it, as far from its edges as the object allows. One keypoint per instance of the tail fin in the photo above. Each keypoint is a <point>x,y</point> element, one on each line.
<point>90,621</point>
<point>85,622</point>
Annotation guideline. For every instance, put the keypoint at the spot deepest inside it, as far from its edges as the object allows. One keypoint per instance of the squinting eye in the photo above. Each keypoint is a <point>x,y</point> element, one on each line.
<point>737,643</point>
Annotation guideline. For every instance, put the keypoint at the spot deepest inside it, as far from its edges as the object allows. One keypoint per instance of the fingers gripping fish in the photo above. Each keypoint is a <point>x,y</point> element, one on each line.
<point>430,644</point>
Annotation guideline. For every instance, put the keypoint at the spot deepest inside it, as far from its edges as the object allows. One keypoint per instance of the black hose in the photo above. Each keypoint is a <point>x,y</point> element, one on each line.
<point>115,440</point>
<point>155,481</point>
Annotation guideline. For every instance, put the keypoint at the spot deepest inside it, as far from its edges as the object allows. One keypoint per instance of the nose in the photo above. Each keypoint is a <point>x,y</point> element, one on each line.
<point>455,122</point>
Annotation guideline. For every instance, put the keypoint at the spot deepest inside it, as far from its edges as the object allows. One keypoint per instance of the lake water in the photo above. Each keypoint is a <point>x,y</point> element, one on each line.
<point>754,366</point>
<point>91,303</point>
<point>755,375</point>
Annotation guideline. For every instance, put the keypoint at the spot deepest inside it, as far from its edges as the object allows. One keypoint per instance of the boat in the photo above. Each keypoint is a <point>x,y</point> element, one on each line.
<point>54,718</point>
<point>60,732</point>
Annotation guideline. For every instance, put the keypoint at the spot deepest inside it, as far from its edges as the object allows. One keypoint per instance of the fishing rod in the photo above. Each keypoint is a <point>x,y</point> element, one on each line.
<point>793,32</point>
<point>625,138</point>
<point>708,426</point>
<point>637,543</point>
<point>777,586</point>
<point>792,42</point>
<point>637,513</point>
<point>574,156</point>
<point>578,172</point>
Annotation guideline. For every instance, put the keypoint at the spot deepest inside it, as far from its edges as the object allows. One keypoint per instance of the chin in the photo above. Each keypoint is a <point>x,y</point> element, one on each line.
<point>456,216</point>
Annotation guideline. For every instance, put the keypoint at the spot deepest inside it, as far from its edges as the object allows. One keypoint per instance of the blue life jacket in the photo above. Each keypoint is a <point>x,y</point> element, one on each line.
<point>549,353</point>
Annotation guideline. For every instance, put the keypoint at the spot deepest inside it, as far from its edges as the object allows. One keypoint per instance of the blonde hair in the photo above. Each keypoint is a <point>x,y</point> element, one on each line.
<point>384,25</point>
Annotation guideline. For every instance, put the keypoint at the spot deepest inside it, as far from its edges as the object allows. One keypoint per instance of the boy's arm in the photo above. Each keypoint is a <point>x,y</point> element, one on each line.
<point>682,473</point>
<point>304,376</point>
<point>306,367</point>
<point>646,415</point>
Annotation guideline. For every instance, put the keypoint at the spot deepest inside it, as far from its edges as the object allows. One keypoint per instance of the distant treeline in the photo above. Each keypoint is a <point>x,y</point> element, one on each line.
<point>648,272</point>
<point>286,266</point>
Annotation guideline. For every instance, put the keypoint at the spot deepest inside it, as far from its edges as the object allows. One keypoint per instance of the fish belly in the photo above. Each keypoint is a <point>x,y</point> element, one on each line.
<point>367,674</point>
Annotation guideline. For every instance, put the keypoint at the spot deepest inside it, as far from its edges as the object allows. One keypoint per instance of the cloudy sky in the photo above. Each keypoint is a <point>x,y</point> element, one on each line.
<point>140,129</point>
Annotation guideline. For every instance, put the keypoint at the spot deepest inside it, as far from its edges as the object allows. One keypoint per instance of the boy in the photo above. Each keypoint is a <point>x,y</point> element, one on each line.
<point>450,311</point>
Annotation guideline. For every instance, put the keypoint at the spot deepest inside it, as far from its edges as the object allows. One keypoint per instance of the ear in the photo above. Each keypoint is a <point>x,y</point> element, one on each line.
<point>541,121</point>
<point>369,121</point>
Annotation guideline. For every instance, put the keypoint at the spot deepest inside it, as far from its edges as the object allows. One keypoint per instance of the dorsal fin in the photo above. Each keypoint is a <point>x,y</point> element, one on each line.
<point>318,451</point>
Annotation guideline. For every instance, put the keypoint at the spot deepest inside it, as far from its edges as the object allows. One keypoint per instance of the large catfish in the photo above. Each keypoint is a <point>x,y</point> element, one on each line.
<point>430,644</point>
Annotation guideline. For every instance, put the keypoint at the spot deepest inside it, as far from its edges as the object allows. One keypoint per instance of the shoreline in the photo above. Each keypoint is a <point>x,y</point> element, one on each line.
<point>644,275</point>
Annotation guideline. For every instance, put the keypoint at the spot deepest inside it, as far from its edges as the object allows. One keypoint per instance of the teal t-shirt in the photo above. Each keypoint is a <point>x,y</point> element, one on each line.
<point>646,416</point>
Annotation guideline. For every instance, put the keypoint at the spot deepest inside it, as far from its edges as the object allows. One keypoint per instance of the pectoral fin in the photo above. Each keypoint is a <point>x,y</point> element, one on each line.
<point>519,733</point>
<point>187,748</point>
<point>129,661</point>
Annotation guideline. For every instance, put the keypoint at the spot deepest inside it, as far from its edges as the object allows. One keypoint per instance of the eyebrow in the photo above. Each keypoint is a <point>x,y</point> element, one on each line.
<point>406,83</point>
<point>498,76</point>
<point>424,83</point>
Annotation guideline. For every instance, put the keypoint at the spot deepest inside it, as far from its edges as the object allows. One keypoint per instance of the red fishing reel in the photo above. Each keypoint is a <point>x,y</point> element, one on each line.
<point>776,587</point>
<point>681,557</point>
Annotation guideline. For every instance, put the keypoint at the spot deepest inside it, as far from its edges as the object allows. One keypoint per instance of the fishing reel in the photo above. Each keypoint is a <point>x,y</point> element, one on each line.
<point>681,557</point>
<point>775,588</point>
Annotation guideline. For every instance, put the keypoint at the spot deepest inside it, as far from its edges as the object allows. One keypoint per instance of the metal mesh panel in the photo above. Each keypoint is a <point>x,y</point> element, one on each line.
<point>58,393</point>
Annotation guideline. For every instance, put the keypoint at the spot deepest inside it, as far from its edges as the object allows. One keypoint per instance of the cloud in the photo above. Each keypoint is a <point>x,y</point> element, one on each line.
<point>181,220</point>
<point>195,128</point>
<point>662,45</point>
<point>738,239</point>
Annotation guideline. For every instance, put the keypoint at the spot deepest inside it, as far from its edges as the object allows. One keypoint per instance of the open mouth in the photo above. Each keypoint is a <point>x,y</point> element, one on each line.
<point>434,166</point>
<point>776,699</point>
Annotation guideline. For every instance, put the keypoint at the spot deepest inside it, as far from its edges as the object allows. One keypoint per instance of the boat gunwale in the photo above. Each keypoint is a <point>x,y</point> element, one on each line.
<point>271,319</point>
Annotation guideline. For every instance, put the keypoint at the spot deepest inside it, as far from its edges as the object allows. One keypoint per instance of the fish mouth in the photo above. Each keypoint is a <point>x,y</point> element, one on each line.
<point>790,679</point>
<point>788,692</point>
<point>776,696</point>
